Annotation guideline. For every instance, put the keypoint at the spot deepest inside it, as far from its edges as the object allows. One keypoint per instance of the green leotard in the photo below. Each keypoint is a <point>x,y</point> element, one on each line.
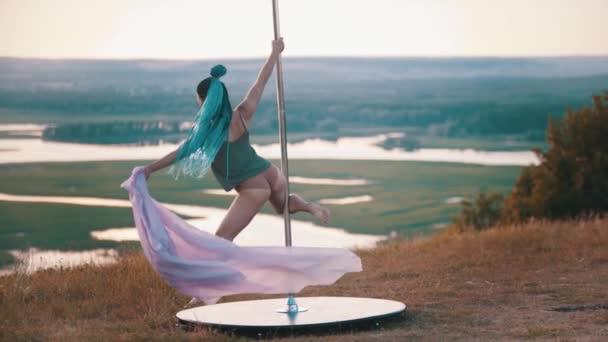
<point>242,161</point>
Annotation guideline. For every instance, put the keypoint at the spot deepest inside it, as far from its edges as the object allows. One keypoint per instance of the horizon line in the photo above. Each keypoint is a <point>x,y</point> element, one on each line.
<point>307,57</point>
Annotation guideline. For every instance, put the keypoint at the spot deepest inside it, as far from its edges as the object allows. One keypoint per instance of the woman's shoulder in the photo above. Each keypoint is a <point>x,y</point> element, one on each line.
<point>239,120</point>
<point>237,127</point>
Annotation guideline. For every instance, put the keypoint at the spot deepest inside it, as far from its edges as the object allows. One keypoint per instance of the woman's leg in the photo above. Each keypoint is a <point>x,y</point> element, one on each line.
<point>296,203</point>
<point>252,194</point>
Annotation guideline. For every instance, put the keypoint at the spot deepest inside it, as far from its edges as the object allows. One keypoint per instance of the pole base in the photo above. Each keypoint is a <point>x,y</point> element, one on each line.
<point>316,312</point>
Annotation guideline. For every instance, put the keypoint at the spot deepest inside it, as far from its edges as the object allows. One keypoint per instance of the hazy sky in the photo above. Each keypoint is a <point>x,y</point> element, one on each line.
<point>179,29</point>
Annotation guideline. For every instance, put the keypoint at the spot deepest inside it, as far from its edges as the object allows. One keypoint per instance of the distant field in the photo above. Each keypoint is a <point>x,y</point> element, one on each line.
<point>408,197</point>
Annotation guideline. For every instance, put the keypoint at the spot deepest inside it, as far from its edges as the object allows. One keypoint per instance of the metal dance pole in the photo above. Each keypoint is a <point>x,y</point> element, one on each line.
<point>282,130</point>
<point>291,307</point>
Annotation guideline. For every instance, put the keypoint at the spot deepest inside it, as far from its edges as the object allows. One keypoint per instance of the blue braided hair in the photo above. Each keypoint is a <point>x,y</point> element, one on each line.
<point>209,131</point>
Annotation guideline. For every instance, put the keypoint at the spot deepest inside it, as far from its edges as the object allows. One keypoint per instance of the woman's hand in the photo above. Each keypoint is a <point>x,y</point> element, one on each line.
<point>249,104</point>
<point>160,164</point>
<point>147,172</point>
<point>278,46</point>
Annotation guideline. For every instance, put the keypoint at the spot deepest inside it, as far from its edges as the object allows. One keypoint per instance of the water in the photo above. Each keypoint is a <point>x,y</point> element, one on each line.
<point>333,201</point>
<point>347,200</point>
<point>366,148</point>
<point>454,200</point>
<point>299,180</point>
<point>264,229</point>
<point>219,192</point>
<point>345,148</point>
<point>29,129</point>
<point>34,259</point>
<point>327,181</point>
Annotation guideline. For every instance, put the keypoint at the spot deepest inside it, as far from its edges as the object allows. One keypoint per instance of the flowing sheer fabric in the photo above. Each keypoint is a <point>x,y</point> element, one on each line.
<point>208,267</point>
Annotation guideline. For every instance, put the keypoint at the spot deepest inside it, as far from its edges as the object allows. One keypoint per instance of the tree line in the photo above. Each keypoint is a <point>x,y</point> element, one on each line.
<point>571,180</point>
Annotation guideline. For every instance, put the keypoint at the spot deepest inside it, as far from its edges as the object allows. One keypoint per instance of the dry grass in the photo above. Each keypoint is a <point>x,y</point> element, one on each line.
<point>498,284</point>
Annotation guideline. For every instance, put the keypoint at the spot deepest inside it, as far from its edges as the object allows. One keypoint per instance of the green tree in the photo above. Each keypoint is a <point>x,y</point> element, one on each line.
<point>482,212</point>
<point>572,178</point>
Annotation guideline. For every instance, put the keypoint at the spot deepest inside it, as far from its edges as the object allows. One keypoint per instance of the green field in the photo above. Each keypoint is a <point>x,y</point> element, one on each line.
<point>408,197</point>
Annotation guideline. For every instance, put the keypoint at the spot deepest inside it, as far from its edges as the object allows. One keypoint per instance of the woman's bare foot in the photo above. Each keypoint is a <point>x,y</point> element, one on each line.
<point>319,211</point>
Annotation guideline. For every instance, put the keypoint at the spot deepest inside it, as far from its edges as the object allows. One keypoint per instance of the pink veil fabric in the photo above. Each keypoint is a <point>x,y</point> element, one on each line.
<point>208,267</point>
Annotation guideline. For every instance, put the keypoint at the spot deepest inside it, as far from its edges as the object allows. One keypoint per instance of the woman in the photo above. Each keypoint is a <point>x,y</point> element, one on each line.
<point>235,164</point>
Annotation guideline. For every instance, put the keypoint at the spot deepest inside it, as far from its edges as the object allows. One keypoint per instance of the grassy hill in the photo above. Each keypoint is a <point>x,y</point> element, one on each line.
<point>538,280</point>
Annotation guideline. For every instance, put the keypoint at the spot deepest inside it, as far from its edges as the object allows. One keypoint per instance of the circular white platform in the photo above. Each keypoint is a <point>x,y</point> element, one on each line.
<point>263,313</point>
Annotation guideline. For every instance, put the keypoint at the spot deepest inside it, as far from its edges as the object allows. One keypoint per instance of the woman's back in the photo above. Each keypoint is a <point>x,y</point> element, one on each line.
<point>237,160</point>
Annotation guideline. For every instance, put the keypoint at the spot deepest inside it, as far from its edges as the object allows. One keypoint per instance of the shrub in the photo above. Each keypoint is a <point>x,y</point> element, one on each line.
<point>572,178</point>
<point>481,213</point>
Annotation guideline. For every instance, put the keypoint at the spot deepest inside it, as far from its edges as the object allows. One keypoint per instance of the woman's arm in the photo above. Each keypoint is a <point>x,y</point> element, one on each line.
<point>160,164</point>
<point>250,102</point>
